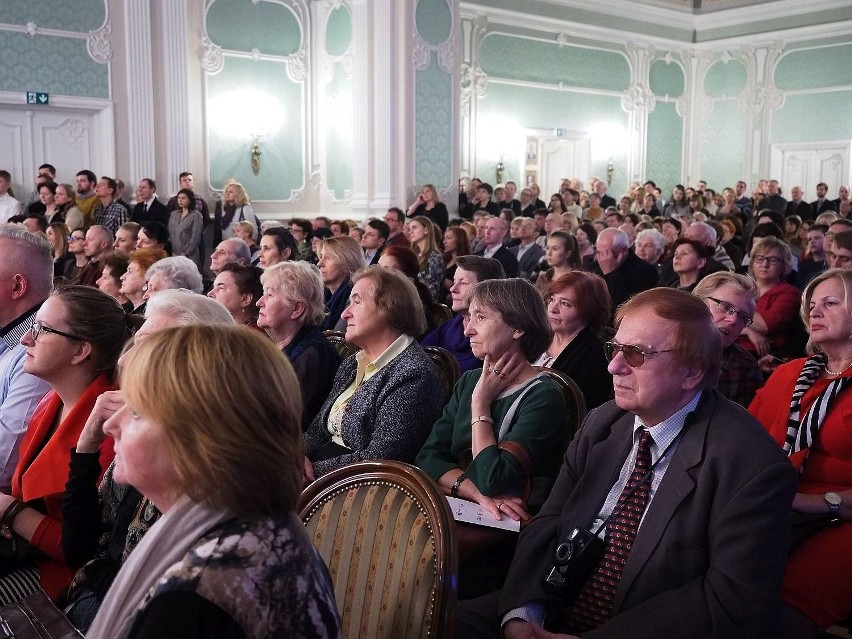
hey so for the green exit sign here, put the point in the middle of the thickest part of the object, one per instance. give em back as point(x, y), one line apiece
point(38, 97)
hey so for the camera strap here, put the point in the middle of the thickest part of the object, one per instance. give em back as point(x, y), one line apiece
point(639, 484)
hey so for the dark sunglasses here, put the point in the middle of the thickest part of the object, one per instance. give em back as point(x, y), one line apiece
point(633, 355)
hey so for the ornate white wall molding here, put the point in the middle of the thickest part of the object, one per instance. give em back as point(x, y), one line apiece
point(212, 59)
point(447, 50)
point(172, 30)
point(141, 157)
point(98, 44)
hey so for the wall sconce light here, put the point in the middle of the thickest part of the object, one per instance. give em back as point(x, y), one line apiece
point(610, 171)
point(247, 114)
point(500, 170)
point(255, 154)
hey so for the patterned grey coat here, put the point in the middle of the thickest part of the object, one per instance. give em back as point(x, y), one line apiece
point(389, 416)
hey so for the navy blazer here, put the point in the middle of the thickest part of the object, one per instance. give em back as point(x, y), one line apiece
point(711, 551)
point(529, 262)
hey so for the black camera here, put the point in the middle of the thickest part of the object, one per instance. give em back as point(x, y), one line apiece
point(575, 558)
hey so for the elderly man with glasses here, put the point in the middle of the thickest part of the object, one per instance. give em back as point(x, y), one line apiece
point(672, 508)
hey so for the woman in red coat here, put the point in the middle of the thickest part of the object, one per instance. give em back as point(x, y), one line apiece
point(807, 408)
point(74, 344)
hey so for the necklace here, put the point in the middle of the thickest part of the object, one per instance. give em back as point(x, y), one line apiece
point(833, 374)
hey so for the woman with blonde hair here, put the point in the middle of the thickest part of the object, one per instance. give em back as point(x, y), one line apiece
point(291, 312)
point(428, 204)
point(235, 206)
point(66, 196)
point(339, 258)
point(58, 234)
point(422, 235)
point(229, 556)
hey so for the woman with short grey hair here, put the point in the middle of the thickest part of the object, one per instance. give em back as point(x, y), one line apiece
point(171, 273)
point(291, 312)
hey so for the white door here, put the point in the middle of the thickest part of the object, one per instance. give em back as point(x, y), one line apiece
point(66, 138)
point(807, 164)
point(563, 158)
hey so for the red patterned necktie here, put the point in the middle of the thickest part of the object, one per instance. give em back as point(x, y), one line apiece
point(593, 605)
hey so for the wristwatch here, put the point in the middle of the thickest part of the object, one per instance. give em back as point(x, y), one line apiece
point(833, 500)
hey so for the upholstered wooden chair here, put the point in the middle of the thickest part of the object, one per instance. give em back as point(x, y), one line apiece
point(441, 313)
point(575, 402)
point(338, 340)
point(385, 531)
point(447, 365)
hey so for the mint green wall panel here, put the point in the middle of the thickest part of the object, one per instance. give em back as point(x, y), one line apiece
point(827, 67)
point(519, 108)
point(433, 114)
point(725, 78)
point(60, 66)
point(723, 135)
point(282, 159)
point(813, 117)
point(339, 145)
point(665, 147)
point(513, 58)
point(434, 20)
point(338, 31)
point(242, 26)
point(80, 16)
point(629, 23)
point(666, 79)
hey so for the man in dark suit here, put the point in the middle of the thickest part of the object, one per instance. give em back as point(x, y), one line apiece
point(528, 253)
point(527, 203)
point(606, 200)
point(376, 233)
point(797, 205)
point(492, 246)
point(625, 274)
point(821, 204)
point(696, 545)
point(510, 191)
point(148, 207)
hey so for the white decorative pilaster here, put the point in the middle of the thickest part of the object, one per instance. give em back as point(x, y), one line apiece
point(639, 101)
point(139, 84)
point(474, 85)
point(758, 101)
point(362, 53)
point(695, 64)
point(174, 26)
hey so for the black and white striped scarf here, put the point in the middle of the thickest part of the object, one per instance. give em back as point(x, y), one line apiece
point(801, 431)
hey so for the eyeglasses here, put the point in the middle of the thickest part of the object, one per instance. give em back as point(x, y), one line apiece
point(769, 259)
point(76, 238)
point(633, 355)
point(729, 310)
point(37, 327)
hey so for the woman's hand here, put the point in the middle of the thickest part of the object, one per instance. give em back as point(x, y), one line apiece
point(511, 507)
point(106, 406)
point(761, 343)
point(496, 377)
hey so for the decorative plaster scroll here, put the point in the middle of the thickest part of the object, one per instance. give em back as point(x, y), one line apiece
point(473, 81)
point(682, 106)
point(349, 64)
point(32, 29)
point(561, 38)
point(297, 68)
point(74, 131)
point(255, 54)
point(447, 53)
point(762, 97)
point(639, 99)
point(211, 56)
point(98, 45)
point(421, 53)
